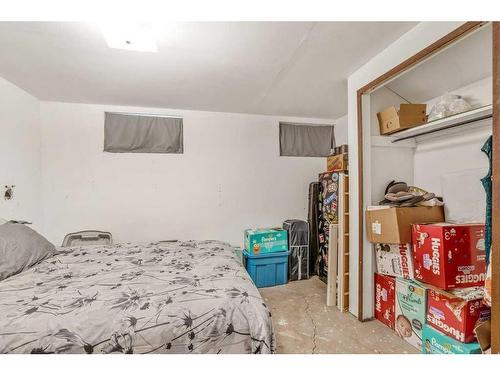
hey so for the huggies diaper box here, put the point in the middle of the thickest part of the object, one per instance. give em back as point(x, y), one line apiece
point(262, 241)
point(410, 310)
point(394, 260)
point(435, 342)
point(385, 290)
point(449, 256)
point(456, 313)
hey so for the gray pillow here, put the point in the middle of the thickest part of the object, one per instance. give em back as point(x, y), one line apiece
point(21, 248)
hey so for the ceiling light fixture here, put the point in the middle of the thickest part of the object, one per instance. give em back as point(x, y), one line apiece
point(132, 36)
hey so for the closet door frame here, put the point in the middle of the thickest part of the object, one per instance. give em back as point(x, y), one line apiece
point(455, 35)
point(495, 240)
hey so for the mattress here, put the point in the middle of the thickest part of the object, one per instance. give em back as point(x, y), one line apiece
point(164, 297)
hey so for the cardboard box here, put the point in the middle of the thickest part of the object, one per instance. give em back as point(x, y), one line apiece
point(263, 241)
point(411, 303)
point(449, 256)
point(483, 335)
point(390, 120)
point(456, 313)
point(487, 284)
point(435, 342)
point(394, 260)
point(387, 224)
point(385, 290)
point(337, 163)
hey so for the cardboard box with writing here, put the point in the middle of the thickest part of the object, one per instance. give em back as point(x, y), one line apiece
point(456, 313)
point(385, 293)
point(449, 256)
point(434, 342)
point(385, 224)
point(266, 240)
point(337, 163)
point(394, 260)
point(411, 303)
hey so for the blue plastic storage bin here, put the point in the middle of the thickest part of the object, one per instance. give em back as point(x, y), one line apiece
point(268, 269)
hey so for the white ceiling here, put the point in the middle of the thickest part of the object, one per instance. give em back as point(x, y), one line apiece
point(277, 68)
point(468, 60)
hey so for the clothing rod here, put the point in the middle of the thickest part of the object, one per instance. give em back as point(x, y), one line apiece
point(445, 127)
point(143, 114)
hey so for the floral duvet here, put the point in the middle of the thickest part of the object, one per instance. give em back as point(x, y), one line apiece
point(166, 297)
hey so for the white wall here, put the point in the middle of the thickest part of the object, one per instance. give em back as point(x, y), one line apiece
point(422, 35)
point(457, 160)
point(20, 154)
point(229, 178)
point(341, 130)
point(454, 151)
point(477, 94)
point(389, 161)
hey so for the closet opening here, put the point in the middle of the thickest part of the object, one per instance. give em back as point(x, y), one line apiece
point(426, 123)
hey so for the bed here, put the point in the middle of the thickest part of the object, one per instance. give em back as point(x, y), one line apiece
point(162, 297)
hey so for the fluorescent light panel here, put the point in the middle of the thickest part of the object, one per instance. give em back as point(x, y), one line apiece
point(132, 36)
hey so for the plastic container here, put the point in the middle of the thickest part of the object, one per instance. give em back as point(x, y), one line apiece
point(87, 237)
point(268, 269)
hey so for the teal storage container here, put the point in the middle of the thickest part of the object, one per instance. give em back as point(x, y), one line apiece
point(263, 241)
point(268, 269)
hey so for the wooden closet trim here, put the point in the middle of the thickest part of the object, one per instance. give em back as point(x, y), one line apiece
point(427, 52)
point(495, 239)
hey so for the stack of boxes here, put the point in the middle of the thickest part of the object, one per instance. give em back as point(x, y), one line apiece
point(266, 256)
point(451, 258)
point(430, 289)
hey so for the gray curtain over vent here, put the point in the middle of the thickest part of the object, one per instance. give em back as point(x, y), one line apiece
point(142, 134)
point(306, 140)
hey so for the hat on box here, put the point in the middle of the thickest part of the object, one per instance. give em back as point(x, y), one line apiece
point(401, 195)
point(394, 187)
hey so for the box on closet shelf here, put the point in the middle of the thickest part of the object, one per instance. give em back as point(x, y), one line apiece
point(386, 224)
point(449, 256)
point(390, 120)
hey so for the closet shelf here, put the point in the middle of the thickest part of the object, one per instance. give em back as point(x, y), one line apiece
point(460, 119)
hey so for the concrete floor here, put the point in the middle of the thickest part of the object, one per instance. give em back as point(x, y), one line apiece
point(304, 324)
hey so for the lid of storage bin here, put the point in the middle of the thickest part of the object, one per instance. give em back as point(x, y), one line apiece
point(266, 255)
